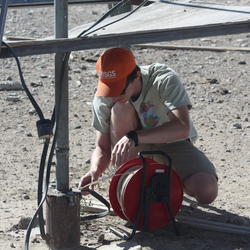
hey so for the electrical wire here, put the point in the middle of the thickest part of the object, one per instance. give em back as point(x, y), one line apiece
point(30, 226)
point(125, 16)
point(31, 98)
point(119, 4)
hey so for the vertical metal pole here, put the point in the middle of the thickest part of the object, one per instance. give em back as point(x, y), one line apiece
point(62, 205)
point(61, 95)
point(2, 19)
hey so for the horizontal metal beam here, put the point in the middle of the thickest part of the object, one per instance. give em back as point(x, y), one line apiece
point(27, 48)
point(33, 3)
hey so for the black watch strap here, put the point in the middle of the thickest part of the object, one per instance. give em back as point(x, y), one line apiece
point(133, 136)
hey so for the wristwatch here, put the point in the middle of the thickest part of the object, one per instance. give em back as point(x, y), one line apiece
point(133, 136)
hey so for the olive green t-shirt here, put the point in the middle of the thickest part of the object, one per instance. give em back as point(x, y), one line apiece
point(162, 91)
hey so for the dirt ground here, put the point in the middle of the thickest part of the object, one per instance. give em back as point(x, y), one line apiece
point(218, 85)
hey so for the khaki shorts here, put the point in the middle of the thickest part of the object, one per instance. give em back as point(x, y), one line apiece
point(186, 158)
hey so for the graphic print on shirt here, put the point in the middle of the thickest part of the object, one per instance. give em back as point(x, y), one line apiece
point(149, 118)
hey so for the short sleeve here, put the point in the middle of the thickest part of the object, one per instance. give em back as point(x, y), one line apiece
point(101, 113)
point(173, 93)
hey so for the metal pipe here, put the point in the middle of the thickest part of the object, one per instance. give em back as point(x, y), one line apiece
point(61, 96)
point(38, 3)
point(214, 225)
point(3, 14)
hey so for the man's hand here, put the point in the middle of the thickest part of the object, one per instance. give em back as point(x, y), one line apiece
point(86, 181)
point(122, 151)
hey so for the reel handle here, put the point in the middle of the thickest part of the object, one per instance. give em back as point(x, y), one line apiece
point(155, 152)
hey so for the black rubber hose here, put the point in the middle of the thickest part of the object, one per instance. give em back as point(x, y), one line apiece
point(31, 98)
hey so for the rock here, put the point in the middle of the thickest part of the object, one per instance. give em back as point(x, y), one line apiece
point(10, 85)
point(87, 161)
point(224, 91)
point(12, 245)
point(43, 76)
point(242, 62)
point(237, 125)
point(245, 45)
point(220, 101)
point(213, 81)
point(77, 71)
point(101, 239)
point(35, 240)
point(25, 149)
point(34, 84)
point(32, 111)
point(78, 83)
point(13, 98)
point(91, 60)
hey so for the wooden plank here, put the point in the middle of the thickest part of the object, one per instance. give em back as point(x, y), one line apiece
point(27, 48)
point(186, 47)
point(34, 3)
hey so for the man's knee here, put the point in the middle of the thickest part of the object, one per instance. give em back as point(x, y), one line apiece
point(202, 186)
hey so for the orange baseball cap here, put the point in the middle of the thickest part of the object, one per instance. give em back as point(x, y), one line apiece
point(113, 67)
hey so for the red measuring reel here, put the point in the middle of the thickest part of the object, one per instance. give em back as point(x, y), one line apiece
point(146, 193)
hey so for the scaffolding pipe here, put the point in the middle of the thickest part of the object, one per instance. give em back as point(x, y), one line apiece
point(61, 95)
point(3, 14)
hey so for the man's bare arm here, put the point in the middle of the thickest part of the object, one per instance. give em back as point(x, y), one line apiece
point(100, 159)
point(176, 129)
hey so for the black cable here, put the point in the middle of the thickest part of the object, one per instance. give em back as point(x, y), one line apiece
point(119, 4)
point(40, 187)
point(41, 181)
point(30, 226)
point(125, 16)
point(32, 99)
